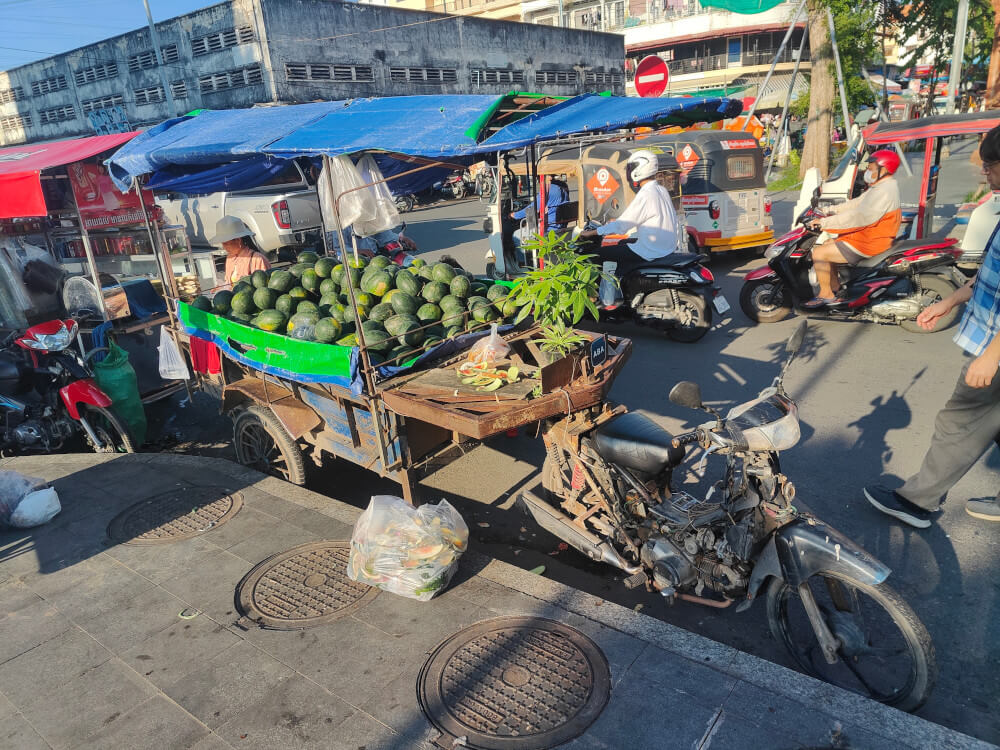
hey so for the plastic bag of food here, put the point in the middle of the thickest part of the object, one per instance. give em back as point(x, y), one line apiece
point(488, 350)
point(408, 551)
point(25, 501)
point(172, 364)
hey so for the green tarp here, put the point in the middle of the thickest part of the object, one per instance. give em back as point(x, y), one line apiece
point(742, 6)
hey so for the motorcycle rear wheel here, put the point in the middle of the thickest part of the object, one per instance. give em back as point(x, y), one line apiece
point(842, 603)
point(935, 288)
point(765, 301)
point(698, 319)
point(111, 431)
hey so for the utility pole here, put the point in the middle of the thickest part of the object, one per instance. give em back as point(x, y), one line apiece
point(154, 37)
point(961, 22)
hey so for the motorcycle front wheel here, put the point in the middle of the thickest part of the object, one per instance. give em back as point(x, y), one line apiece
point(112, 433)
point(765, 300)
point(884, 653)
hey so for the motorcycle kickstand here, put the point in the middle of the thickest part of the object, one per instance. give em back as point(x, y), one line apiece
point(828, 643)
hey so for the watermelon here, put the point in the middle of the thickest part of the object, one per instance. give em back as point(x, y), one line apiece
point(406, 329)
point(442, 272)
point(243, 286)
point(298, 269)
point(381, 312)
point(404, 303)
point(285, 304)
point(242, 303)
point(451, 302)
point(392, 269)
point(508, 306)
point(377, 283)
point(453, 331)
point(328, 286)
point(350, 339)
point(270, 320)
point(201, 302)
point(497, 291)
point(428, 313)
point(426, 273)
point(401, 355)
point(265, 298)
point(248, 280)
point(259, 279)
point(474, 302)
point(434, 291)
point(431, 341)
point(327, 330)
point(478, 288)
point(485, 313)
point(365, 299)
point(460, 286)
point(310, 281)
point(303, 323)
point(379, 261)
point(308, 256)
point(329, 300)
point(418, 263)
point(297, 292)
point(358, 262)
point(281, 281)
point(377, 339)
point(222, 302)
point(337, 274)
point(434, 332)
point(453, 318)
point(324, 267)
point(241, 318)
point(407, 282)
point(305, 306)
point(353, 273)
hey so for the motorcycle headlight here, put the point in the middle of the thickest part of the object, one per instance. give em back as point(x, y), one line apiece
point(774, 251)
point(55, 341)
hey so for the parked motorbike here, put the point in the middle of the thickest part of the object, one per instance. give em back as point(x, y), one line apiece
point(459, 184)
point(607, 491)
point(892, 287)
point(48, 396)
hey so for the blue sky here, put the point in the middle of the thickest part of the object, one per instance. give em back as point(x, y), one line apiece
point(33, 29)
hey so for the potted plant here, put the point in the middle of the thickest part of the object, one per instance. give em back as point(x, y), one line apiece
point(558, 295)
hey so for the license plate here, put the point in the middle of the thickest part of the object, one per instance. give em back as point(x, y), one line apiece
point(721, 304)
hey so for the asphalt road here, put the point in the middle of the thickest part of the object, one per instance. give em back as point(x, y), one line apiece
point(867, 398)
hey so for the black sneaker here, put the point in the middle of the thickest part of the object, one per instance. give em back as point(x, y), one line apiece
point(893, 504)
point(986, 508)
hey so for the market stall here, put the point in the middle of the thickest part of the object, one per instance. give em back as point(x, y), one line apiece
point(69, 239)
point(397, 409)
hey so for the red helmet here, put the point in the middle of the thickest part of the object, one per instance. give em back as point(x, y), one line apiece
point(888, 160)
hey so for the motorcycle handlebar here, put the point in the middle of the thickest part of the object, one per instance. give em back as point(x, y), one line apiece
point(687, 438)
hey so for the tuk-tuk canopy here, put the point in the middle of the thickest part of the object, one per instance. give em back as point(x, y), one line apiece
point(882, 133)
point(457, 128)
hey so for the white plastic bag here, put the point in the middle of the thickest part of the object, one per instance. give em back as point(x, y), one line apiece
point(340, 180)
point(15, 487)
point(488, 350)
point(172, 365)
point(386, 215)
point(408, 551)
point(36, 508)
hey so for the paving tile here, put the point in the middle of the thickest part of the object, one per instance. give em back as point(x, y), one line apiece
point(318, 523)
point(90, 587)
point(154, 723)
point(14, 595)
point(53, 663)
point(227, 684)
point(361, 730)
point(158, 562)
point(396, 706)
point(211, 586)
point(211, 742)
point(264, 502)
point(239, 528)
point(296, 714)
point(169, 655)
point(16, 732)
point(280, 537)
point(136, 619)
point(87, 704)
point(28, 627)
point(6, 707)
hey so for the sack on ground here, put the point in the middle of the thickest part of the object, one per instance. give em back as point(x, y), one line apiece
point(26, 501)
point(408, 551)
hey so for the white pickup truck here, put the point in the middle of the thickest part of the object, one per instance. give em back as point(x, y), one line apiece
point(284, 211)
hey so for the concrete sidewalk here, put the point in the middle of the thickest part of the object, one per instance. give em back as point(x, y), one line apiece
point(108, 645)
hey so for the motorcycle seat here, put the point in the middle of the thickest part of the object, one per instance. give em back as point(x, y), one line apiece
point(674, 261)
point(636, 442)
point(902, 247)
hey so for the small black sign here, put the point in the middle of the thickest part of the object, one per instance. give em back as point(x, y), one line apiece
point(598, 351)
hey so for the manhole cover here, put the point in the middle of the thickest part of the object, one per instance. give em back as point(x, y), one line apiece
point(301, 587)
point(172, 516)
point(514, 683)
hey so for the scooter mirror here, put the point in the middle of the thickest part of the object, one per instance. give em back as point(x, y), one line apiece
point(794, 342)
point(686, 393)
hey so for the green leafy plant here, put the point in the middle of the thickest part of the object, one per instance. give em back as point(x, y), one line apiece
point(560, 340)
point(564, 288)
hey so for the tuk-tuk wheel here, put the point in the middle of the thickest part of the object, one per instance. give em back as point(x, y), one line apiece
point(262, 443)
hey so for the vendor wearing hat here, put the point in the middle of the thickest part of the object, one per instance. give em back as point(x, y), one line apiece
point(242, 256)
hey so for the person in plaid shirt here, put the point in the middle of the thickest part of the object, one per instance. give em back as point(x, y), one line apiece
point(970, 422)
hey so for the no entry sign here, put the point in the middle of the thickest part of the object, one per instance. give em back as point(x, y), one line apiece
point(651, 76)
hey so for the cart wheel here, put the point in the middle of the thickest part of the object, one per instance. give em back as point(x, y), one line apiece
point(263, 444)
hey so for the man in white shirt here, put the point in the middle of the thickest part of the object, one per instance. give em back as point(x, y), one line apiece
point(649, 220)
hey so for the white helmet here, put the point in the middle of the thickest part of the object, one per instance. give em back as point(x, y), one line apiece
point(641, 165)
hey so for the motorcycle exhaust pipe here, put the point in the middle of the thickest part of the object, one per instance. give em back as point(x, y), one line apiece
point(559, 524)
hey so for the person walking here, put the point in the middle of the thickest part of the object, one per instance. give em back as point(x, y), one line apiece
point(969, 423)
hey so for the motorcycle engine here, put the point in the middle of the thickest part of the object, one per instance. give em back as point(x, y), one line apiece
point(671, 567)
point(898, 309)
point(43, 433)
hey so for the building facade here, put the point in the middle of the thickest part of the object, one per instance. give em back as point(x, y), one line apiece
point(245, 52)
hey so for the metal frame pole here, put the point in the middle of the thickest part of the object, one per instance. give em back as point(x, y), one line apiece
point(774, 63)
point(155, 39)
point(840, 72)
point(91, 262)
point(788, 101)
point(957, 55)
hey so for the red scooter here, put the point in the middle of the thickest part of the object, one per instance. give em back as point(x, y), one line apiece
point(48, 395)
point(892, 287)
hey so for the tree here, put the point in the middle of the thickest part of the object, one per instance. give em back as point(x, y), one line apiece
point(993, 77)
point(816, 150)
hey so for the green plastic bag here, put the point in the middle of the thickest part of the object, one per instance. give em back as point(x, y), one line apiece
point(116, 377)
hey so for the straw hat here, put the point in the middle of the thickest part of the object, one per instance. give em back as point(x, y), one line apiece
point(229, 228)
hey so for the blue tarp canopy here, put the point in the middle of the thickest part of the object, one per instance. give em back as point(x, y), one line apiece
point(452, 128)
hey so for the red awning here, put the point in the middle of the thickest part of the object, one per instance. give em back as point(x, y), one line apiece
point(940, 126)
point(21, 168)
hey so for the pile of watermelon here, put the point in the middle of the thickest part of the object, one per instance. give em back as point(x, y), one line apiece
point(403, 311)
